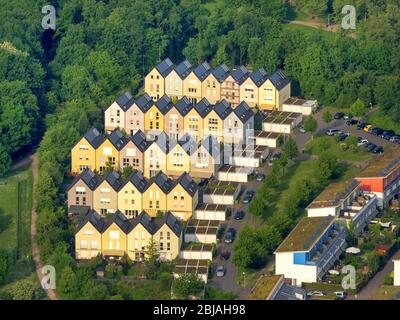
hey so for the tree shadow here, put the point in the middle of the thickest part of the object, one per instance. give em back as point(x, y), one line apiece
point(5, 220)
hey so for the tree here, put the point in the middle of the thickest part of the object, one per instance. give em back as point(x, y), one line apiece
point(327, 116)
point(126, 172)
point(4, 265)
point(290, 149)
point(67, 283)
point(310, 124)
point(23, 290)
point(327, 167)
point(358, 108)
point(351, 142)
point(187, 285)
point(5, 160)
point(152, 252)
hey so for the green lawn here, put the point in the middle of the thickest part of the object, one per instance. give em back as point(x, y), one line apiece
point(308, 30)
point(15, 217)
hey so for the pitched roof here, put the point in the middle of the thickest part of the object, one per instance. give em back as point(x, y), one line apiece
point(240, 74)
point(186, 181)
point(279, 79)
point(120, 220)
point(171, 221)
point(223, 109)
point(124, 101)
point(113, 178)
point(139, 139)
point(259, 77)
point(164, 104)
point(212, 145)
point(88, 177)
point(144, 102)
point(117, 139)
point(165, 67)
point(146, 221)
point(203, 107)
point(138, 180)
point(243, 112)
point(184, 106)
point(94, 219)
point(202, 71)
point(183, 69)
point(94, 137)
point(162, 141)
point(188, 143)
point(162, 181)
point(221, 72)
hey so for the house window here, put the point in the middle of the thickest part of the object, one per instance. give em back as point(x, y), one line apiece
point(161, 236)
point(168, 246)
point(84, 201)
point(168, 235)
point(77, 200)
point(161, 246)
point(126, 162)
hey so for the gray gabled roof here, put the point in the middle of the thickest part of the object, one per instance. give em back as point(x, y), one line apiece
point(202, 71)
point(223, 109)
point(164, 104)
point(171, 221)
point(279, 79)
point(144, 102)
point(165, 67)
point(203, 107)
point(113, 178)
point(184, 106)
point(146, 221)
point(117, 139)
point(240, 74)
point(94, 219)
point(186, 181)
point(162, 181)
point(243, 112)
point(221, 72)
point(94, 137)
point(162, 140)
point(88, 177)
point(259, 77)
point(138, 180)
point(188, 143)
point(120, 220)
point(139, 140)
point(183, 69)
point(124, 101)
point(212, 145)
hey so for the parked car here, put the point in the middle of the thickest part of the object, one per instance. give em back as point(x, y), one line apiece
point(225, 255)
point(302, 130)
point(340, 294)
point(239, 215)
point(367, 127)
point(338, 115)
point(230, 235)
point(276, 156)
point(371, 147)
point(351, 122)
point(270, 162)
point(316, 293)
point(377, 149)
point(361, 125)
point(332, 132)
point(376, 131)
point(248, 197)
point(362, 142)
point(220, 271)
point(342, 136)
point(348, 116)
point(395, 139)
point(387, 134)
point(260, 177)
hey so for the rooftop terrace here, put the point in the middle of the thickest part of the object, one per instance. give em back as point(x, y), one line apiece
point(264, 286)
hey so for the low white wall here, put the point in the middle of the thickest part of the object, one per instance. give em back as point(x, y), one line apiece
point(204, 238)
point(209, 215)
point(195, 255)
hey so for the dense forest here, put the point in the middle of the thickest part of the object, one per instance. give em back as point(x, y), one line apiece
point(55, 85)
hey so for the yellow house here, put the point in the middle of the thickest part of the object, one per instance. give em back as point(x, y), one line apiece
point(174, 80)
point(274, 91)
point(83, 154)
point(105, 196)
point(155, 156)
point(114, 236)
point(211, 85)
point(193, 124)
point(154, 82)
point(183, 197)
point(130, 196)
point(88, 236)
point(153, 120)
point(155, 196)
point(178, 158)
point(192, 84)
point(106, 155)
point(249, 89)
point(213, 122)
point(165, 232)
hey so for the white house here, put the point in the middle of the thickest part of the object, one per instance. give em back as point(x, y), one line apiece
point(305, 107)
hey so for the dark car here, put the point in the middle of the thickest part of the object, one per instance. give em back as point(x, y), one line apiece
point(348, 116)
point(248, 196)
point(225, 255)
point(378, 149)
point(239, 215)
point(395, 139)
point(338, 115)
point(387, 134)
point(376, 131)
point(342, 136)
point(230, 235)
point(351, 122)
point(361, 125)
point(260, 177)
point(371, 147)
point(277, 156)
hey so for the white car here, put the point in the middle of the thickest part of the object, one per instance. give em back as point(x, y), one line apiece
point(340, 294)
point(220, 271)
point(316, 293)
point(362, 142)
point(302, 130)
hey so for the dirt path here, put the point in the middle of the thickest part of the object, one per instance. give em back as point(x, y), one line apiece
point(34, 163)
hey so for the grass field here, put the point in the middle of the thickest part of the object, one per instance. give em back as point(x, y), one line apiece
point(308, 30)
point(15, 217)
